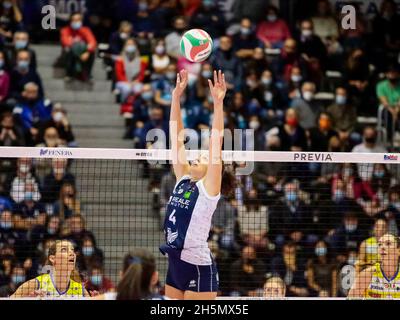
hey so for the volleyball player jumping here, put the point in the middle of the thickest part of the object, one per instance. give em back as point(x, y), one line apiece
point(381, 281)
point(192, 272)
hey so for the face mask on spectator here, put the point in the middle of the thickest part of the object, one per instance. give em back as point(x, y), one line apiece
point(306, 33)
point(160, 50)
point(268, 96)
point(147, 95)
point(396, 205)
point(23, 65)
point(370, 140)
point(208, 3)
point(59, 170)
point(341, 100)
point(21, 44)
point(123, 35)
point(266, 81)
point(291, 196)
point(51, 231)
point(76, 25)
point(308, 95)
point(292, 122)
point(28, 196)
point(7, 4)
point(130, 49)
point(251, 83)
point(254, 124)
point(272, 17)
point(1, 64)
point(5, 225)
point(347, 172)
point(351, 260)
point(338, 195)
point(170, 75)
point(17, 279)
point(296, 78)
point(245, 31)
point(206, 74)
point(96, 280)
point(379, 174)
point(24, 168)
point(58, 116)
point(87, 251)
point(321, 251)
point(324, 124)
point(350, 227)
point(142, 6)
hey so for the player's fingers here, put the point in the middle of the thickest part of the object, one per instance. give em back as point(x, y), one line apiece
point(220, 76)
point(210, 84)
point(215, 77)
point(178, 79)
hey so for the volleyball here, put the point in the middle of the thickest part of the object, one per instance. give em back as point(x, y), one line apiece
point(196, 45)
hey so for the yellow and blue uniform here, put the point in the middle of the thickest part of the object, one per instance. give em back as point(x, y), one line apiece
point(45, 283)
point(383, 287)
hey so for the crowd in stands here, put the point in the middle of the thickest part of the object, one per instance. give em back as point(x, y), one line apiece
point(300, 222)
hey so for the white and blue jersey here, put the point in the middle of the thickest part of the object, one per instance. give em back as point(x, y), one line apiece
point(188, 221)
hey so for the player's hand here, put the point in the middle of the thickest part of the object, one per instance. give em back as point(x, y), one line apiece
point(181, 83)
point(94, 293)
point(218, 89)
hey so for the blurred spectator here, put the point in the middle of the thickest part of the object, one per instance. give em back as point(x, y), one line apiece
point(98, 281)
point(10, 20)
point(129, 70)
point(288, 215)
point(31, 111)
point(9, 235)
point(49, 231)
point(307, 108)
point(368, 252)
point(79, 47)
point(369, 143)
point(209, 18)
point(312, 49)
point(164, 87)
point(159, 60)
point(29, 212)
point(77, 232)
point(326, 27)
point(294, 83)
point(100, 17)
point(385, 39)
point(21, 42)
point(145, 21)
point(291, 135)
point(172, 40)
point(274, 31)
point(343, 114)
point(274, 288)
point(224, 58)
point(247, 273)
point(392, 211)
point(23, 74)
point(10, 134)
point(254, 10)
point(245, 41)
point(320, 136)
point(118, 38)
point(18, 182)
point(289, 267)
point(253, 221)
point(52, 182)
point(321, 272)
point(388, 92)
point(346, 237)
point(4, 82)
point(91, 254)
point(257, 61)
point(68, 202)
point(17, 277)
point(61, 123)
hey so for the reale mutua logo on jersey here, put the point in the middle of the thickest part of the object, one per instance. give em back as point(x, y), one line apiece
point(55, 152)
point(390, 157)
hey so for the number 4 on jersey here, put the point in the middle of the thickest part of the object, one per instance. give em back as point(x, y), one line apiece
point(172, 217)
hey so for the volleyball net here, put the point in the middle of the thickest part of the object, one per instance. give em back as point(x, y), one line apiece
point(311, 219)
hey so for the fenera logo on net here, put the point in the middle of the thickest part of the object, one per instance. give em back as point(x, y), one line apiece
point(55, 152)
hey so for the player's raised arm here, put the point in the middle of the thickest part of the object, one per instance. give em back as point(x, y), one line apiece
point(180, 164)
point(361, 283)
point(213, 177)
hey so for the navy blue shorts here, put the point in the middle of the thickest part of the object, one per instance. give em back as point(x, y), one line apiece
point(189, 277)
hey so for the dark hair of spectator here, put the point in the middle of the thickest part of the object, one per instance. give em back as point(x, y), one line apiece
point(138, 270)
point(228, 183)
point(273, 8)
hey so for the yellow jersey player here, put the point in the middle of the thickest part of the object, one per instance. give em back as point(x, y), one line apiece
point(382, 280)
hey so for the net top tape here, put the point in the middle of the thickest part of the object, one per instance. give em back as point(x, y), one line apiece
point(165, 154)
